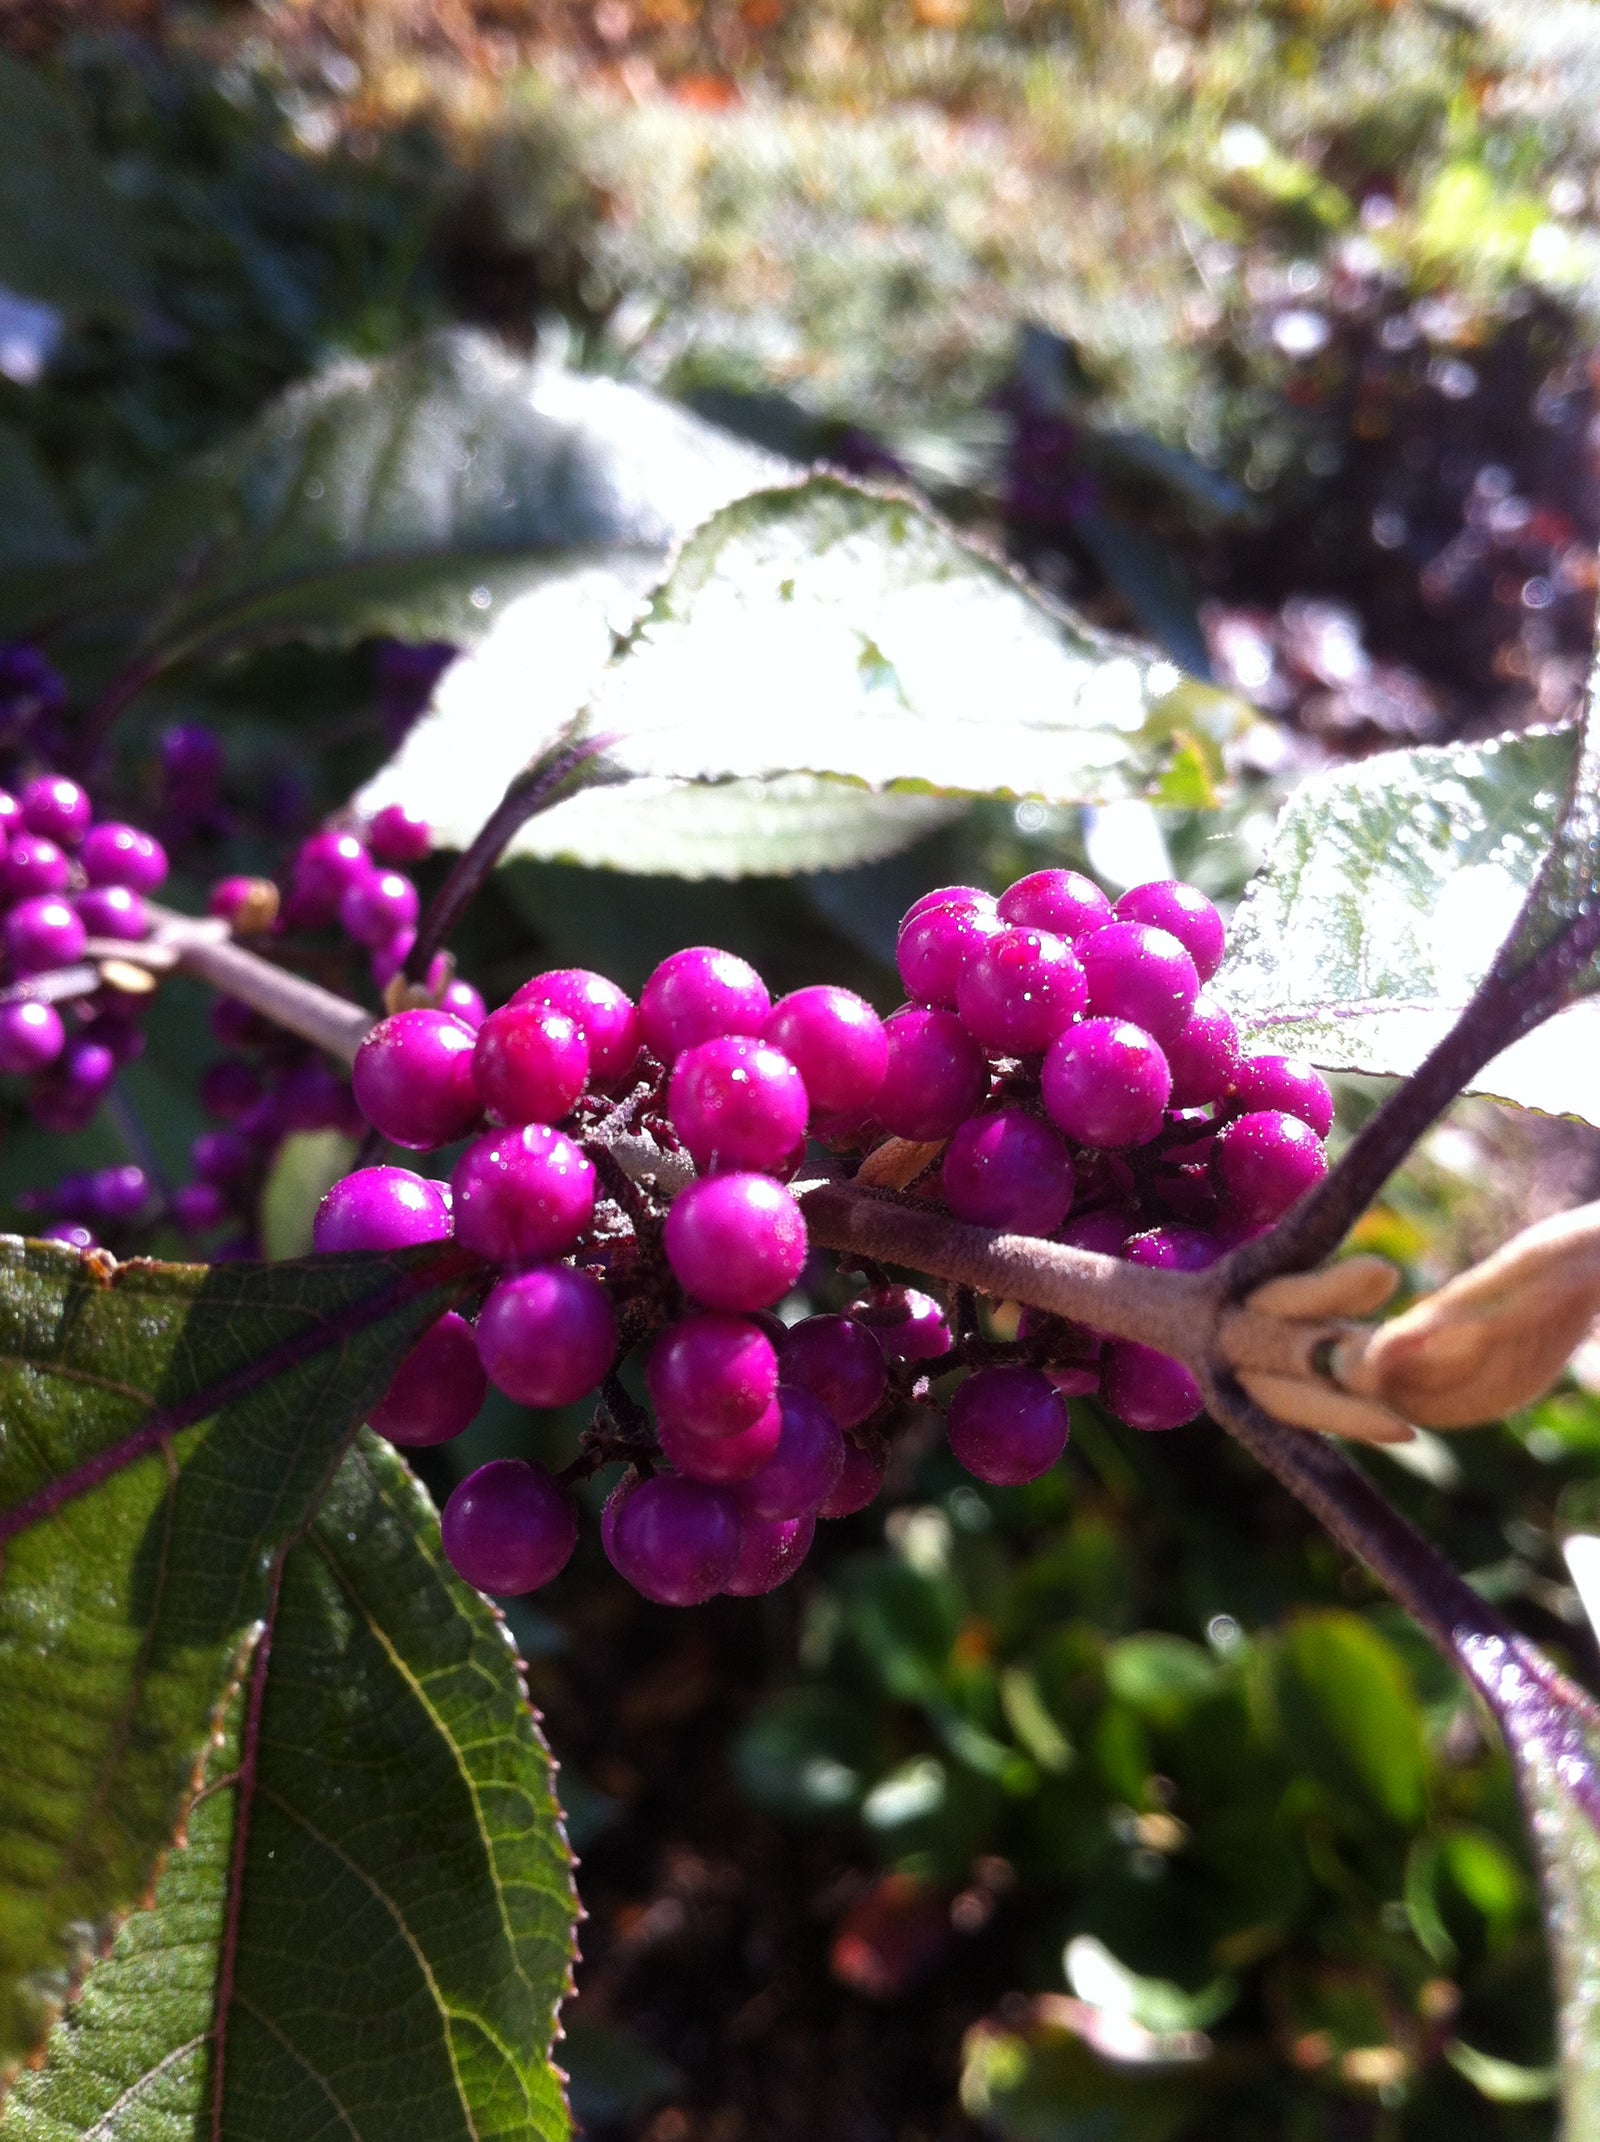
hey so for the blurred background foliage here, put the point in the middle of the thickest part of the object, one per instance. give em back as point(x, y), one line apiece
point(1118, 1808)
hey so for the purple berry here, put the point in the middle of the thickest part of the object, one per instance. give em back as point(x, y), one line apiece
point(804, 1469)
point(1148, 1390)
point(10, 817)
point(230, 1088)
point(736, 1242)
point(314, 1097)
point(1265, 1163)
point(1286, 1083)
point(839, 1362)
point(114, 854)
point(522, 1196)
point(1140, 974)
point(860, 1480)
point(198, 1207)
point(221, 1156)
point(376, 909)
point(397, 836)
point(65, 1097)
point(56, 809)
point(413, 1078)
point(1173, 1249)
point(1105, 1232)
point(113, 911)
point(33, 866)
point(381, 1209)
point(836, 1042)
point(390, 957)
point(907, 1324)
point(936, 1076)
point(1019, 989)
point(770, 1551)
point(1061, 901)
point(696, 995)
point(325, 869)
point(971, 896)
point(721, 1459)
point(675, 1540)
point(1183, 912)
point(713, 1375)
point(603, 1014)
point(1007, 1425)
point(463, 1002)
point(70, 1235)
point(530, 1064)
point(1203, 1055)
point(31, 1036)
point(191, 769)
point(437, 1388)
point(509, 1527)
point(547, 1337)
point(936, 944)
point(1106, 1083)
point(118, 1194)
point(1008, 1170)
point(43, 932)
point(737, 1102)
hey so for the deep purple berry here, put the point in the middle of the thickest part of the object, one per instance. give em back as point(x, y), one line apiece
point(860, 1479)
point(1019, 989)
point(198, 1207)
point(674, 1540)
point(713, 1375)
point(737, 1102)
point(1140, 974)
point(413, 1078)
point(376, 909)
point(721, 1459)
point(381, 1209)
point(56, 809)
point(70, 1234)
point(736, 1242)
point(547, 1337)
point(1173, 1249)
point(1203, 1055)
point(509, 1527)
point(697, 994)
point(1007, 1425)
point(118, 1194)
point(113, 911)
point(530, 1063)
point(1106, 1083)
point(31, 1036)
point(770, 1551)
point(937, 1074)
point(936, 943)
point(1105, 1232)
point(43, 932)
point(1008, 1170)
point(1183, 912)
point(65, 1097)
point(33, 866)
point(1148, 1390)
point(1265, 1162)
point(114, 854)
point(908, 1324)
point(603, 1013)
point(325, 869)
point(804, 1469)
point(1061, 901)
point(522, 1196)
point(221, 1156)
point(229, 1088)
point(835, 1040)
point(437, 1388)
point(464, 1002)
point(397, 836)
point(839, 1362)
point(191, 769)
point(1287, 1083)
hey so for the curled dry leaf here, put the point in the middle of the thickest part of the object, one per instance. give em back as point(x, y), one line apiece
point(1277, 1342)
point(897, 1162)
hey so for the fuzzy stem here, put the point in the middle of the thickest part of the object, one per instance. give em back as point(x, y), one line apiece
point(288, 1000)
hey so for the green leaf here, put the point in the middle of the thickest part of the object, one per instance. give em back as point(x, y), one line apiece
point(1039, 2082)
point(1161, 1677)
point(34, 530)
point(1388, 891)
point(168, 1430)
point(305, 1167)
point(1351, 1712)
point(64, 235)
point(370, 1926)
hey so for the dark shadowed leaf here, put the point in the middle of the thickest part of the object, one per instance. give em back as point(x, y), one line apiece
point(165, 1436)
point(64, 235)
point(1351, 1713)
point(371, 1925)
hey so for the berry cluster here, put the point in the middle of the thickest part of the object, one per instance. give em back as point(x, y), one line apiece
point(1059, 1062)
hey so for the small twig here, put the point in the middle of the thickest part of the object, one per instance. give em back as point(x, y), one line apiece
point(288, 1000)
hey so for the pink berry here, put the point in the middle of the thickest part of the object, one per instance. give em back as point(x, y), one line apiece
point(375, 909)
point(1008, 1170)
point(908, 1324)
point(327, 865)
point(1184, 913)
point(1019, 989)
point(389, 958)
point(1288, 1083)
point(937, 942)
point(1106, 1083)
point(936, 1076)
point(804, 1468)
point(1140, 974)
point(722, 1459)
point(697, 994)
point(31, 1036)
point(737, 1102)
point(33, 866)
point(1148, 1390)
point(57, 809)
point(43, 932)
point(675, 1540)
point(380, 1209)
point(112, 911)
point(860, 1480)
point(464, 1003)
point(604, 1015)
point(522, 1196)
point(1061, 901)
point(530, 1064)
point(1173, 1249)
point(970, 896)
point(509, 1527)
point(413, 1078)
point(547, 1337)
point(437, 1388)
point(838, 1361)
point(397, 836)
point(114, 854)
point(736, 1242)
point(713, 1375)
point(1007, 1425)
point(1203, 1055)
point(1265, 1163)
point(1105, 1232)
point(835, 1040)
point(770, 1551)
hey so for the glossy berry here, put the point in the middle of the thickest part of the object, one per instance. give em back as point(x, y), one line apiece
point(33, 866)
point(413, 1078)
point(437, 1388)
point(1061, 901)
point(381, 1209)
point(31, 1036)
point(1019, 989)
point(860, 1479)
point(697, 994)
point(836, 1042)
point(937, 1074)
point(113, 911)
point(118, 1194)
point(713, 1375)
point(936, 942)
point(198, 1207)
point(327, 865)
point(838, 1361)
point(43, 932)
point(547, 1337)
point(509, 1527)
point(464, 1003)
point(221, 1156)
point(1148, 1390)
point(722, 1459)
point(908, 1324)
point(1140, 974)
point(1184, 913)
point(1007, 1425)
point(1287, 1083)
point(803, 1470)
point(675, 1540)
point(1203, 1056)
point(1008, 1170)
point(736, 1242)
point(737, 1102)
point(1173, 1249)
point(375, 909)
point(770, 1551)
point(602, 1012)
point(1104, 1231)
point(1265, 1162)
point(114, 854)
point(390, 957)
point(971, 896)
point(1105, 1083)
point(521, 1196)
point(57, 809)
point(397, 836)
point(530, 1064)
